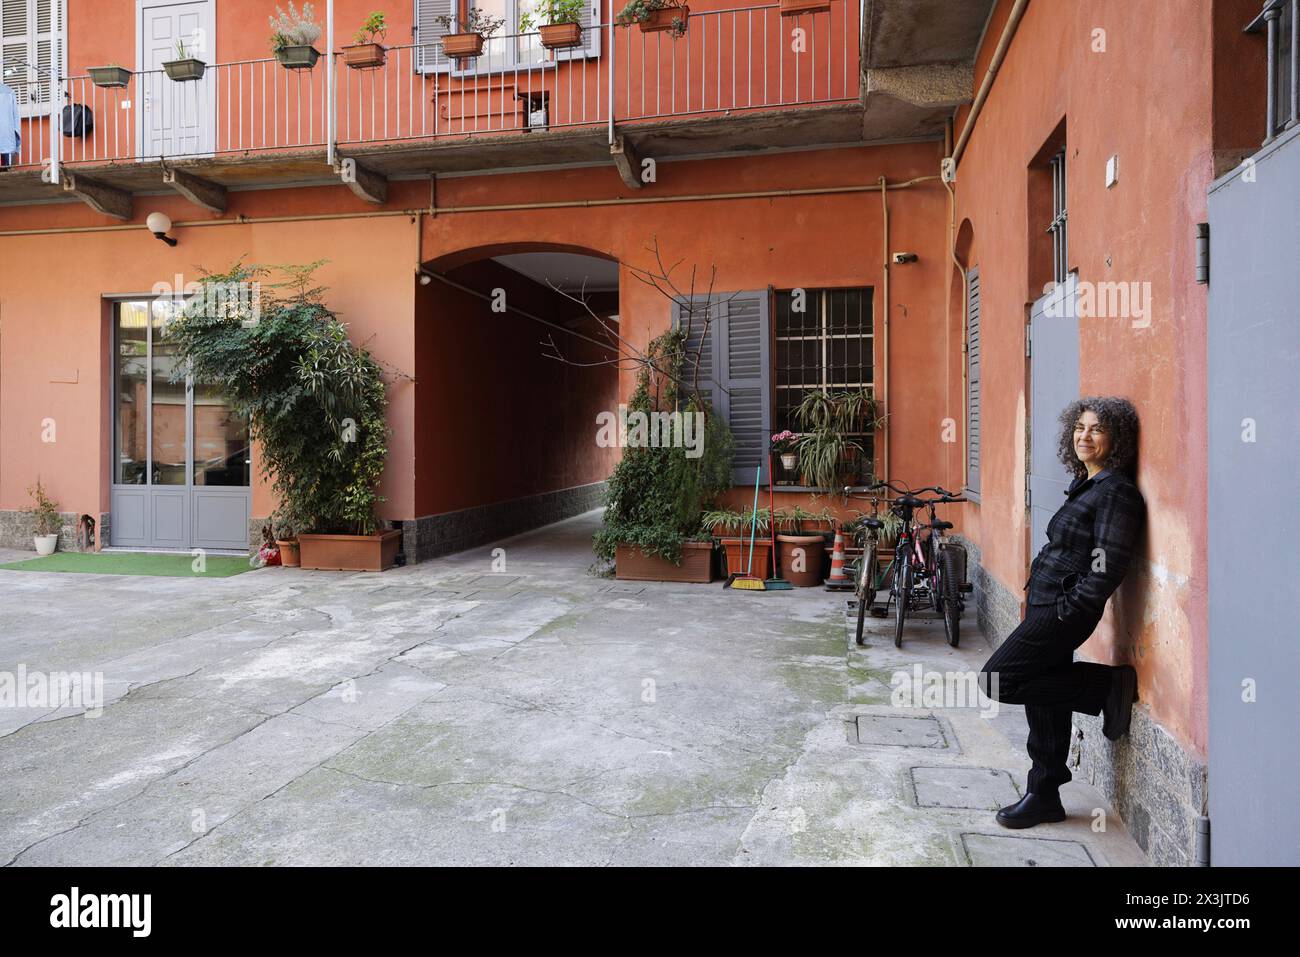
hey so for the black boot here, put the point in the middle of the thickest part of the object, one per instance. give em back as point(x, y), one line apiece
point(1032, 809)
point(1119, 703)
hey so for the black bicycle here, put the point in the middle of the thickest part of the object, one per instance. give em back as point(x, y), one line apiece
point(927, 570)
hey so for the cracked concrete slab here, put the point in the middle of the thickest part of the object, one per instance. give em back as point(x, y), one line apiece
point(457, 713)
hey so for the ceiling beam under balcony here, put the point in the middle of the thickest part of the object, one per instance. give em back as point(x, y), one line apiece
point(365, 182)
point(626, 161)
point(100, 197)
point(199, 191)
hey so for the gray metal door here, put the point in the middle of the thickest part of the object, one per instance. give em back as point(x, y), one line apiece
point(1254, 518)
point(181, 463)
point(1053, 346)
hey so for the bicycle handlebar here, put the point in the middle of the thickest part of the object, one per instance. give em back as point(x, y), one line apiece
point(947, 497)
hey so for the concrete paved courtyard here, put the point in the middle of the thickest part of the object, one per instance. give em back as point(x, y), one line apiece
point(447, 713)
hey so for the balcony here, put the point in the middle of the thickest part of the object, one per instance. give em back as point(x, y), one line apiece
point(738, 79)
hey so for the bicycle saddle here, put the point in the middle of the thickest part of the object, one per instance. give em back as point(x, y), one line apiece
point(941, 525)
point(873, 523)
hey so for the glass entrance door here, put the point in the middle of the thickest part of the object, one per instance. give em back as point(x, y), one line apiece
point(181, 457)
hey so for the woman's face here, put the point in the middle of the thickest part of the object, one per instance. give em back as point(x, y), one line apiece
point(1091, 440)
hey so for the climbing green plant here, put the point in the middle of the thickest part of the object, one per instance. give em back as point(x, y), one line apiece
point(315, 402)
point(657, 495)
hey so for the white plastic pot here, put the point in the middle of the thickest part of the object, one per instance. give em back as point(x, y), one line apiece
point(788, 459)
point(45, 544)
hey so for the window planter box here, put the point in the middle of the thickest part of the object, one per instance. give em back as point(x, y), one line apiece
point(463, 46)
point(183, 71)
point(560, 36)
point(365, 56)
point(663, 18)
point(108, 77)
point(297, 57)
point(807, 550)
point(631, 564)
point(349, 553)
point(792, 8)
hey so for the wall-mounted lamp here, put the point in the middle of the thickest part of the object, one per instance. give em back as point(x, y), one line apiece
point(902, 258)
point(159, 224)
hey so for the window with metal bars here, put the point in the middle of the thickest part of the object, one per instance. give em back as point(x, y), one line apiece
point(1057, 228)
point(823, 342)
point(1279, 21)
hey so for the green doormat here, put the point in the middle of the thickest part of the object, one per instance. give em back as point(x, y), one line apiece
point(133, 563)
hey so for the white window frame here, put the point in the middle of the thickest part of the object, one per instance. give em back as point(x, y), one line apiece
point(32, 38)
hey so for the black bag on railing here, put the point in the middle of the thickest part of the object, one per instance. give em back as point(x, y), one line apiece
point(78, 120)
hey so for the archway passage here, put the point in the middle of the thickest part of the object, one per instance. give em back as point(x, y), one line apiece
point(515, 354)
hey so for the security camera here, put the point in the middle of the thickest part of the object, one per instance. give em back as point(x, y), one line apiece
point(902, 258)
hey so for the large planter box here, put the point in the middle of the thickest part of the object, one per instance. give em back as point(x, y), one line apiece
point(349, 553)
point(632, 564)
point(560, 36)
point(738, 556)
point(109, 77)
point(792, 8)
point(463, 46)
point(662, 19)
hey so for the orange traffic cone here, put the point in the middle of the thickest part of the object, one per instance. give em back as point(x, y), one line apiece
point(838, 581)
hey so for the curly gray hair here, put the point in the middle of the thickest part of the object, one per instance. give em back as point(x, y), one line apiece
point(1120, 419)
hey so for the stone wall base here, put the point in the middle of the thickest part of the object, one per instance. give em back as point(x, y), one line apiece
point(17, 528)
point(433, 535)
point(1158, 788)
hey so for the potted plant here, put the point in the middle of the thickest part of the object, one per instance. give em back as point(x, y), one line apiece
point(292, 36)
point(45, 515)
point(828, 455)
point(316, 405)
point(651, 527)
point(800, 553)
point(792, 8)
point(185, 67)
point(367, 50)
point(108, 77)
point(734, 530)
point(285, 540)
point(654, 16)
point(559, 23)
point(470, 34)
point(786, 446)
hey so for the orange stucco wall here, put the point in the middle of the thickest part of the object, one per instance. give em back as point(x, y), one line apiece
point(1149, 103)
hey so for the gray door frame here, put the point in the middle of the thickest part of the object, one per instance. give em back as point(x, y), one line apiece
point(189, 501)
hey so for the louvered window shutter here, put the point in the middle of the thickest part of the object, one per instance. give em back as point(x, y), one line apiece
point(744, 360)
point(699, 352)
point(429, 56)
point(973, 380)
point(591, 31)
point(27, 38)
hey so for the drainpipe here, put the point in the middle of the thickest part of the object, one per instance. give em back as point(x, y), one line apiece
point(884, 330)
point(999, 54)
point(56, 89)
point(330, 132)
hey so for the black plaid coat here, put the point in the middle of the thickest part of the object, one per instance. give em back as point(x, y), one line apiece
point(1091, 542)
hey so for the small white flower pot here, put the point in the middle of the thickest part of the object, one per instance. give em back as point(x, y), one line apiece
point(45, 544)
point(788, 460)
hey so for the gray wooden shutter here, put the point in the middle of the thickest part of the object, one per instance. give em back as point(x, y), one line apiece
point(591, 32)
point(429, 57)
point(744, 361)
point(973, 380)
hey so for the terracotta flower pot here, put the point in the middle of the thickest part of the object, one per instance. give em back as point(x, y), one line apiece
point(662, 19)
point(738, 556)
point(463, 46)
point(349, 553)
point(632, 564)
point(801, 559)
point(792, 8)
point(364, 56)
point(288, 552)
point(560, 36)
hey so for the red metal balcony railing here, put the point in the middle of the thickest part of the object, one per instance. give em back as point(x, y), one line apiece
point(729, 62)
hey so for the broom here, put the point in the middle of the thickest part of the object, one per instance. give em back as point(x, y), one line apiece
point(776, 582)
point(749, 581)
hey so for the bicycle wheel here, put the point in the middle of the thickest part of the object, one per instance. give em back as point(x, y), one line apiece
point(948, 580)
point(866, 586)
point(936, 582)
point(903, 585)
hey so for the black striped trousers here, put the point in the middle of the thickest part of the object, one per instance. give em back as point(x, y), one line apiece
point(1035, 667)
